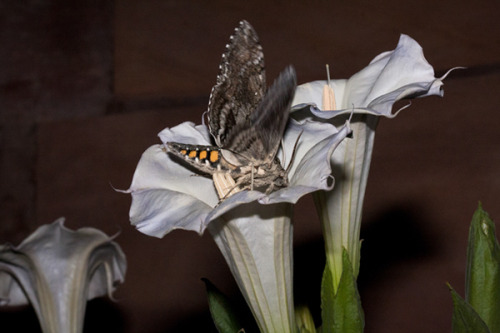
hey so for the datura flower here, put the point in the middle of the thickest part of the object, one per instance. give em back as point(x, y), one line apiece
point(57, 270)
point(252, 229)
point(167, 194)
point(391, 76)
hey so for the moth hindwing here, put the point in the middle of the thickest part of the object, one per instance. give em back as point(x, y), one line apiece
point(246, 121)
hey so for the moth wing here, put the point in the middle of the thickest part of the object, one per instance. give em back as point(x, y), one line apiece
point(259, 139)
point(241, 83)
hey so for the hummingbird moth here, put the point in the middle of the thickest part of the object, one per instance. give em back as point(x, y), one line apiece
point(246, 120)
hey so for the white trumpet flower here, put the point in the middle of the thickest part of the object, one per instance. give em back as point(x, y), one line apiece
point(252, 229)
point(391, 76)
point(57, 270)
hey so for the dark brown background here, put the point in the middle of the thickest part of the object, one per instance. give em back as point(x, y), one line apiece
point(85, 87)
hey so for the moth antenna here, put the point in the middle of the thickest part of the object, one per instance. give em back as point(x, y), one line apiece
point(294, 152)
point(203, 115)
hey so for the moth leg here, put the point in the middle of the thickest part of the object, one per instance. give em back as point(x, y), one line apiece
point(245, 182)
point(270, 189)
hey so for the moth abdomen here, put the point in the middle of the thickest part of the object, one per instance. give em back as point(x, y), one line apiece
point(204, 158)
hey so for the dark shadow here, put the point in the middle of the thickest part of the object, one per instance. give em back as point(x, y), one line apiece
point(400, 233)
point(102, 316)
point(202, 321)
point(198, 322)
point(308, 266)
point(19, 319)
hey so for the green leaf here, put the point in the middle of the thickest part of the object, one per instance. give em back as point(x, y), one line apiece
point(327, 301)
point(465, 318)
point(224, 318)
point(482, 289)
point(341, 312)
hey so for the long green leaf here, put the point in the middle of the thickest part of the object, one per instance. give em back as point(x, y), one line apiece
point(483, 270)
point(224, 318)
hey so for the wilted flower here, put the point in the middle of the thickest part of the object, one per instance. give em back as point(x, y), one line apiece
point(391, 76)
point(57, 270)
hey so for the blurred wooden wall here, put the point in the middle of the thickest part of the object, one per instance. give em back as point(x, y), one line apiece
point(86, 86)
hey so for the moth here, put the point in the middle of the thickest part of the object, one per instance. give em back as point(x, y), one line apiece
point(246, 121)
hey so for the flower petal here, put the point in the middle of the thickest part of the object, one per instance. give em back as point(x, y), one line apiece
point(166, 194)
point(390, 71)
point(311, 168)
point(186, 132)
point(314, 168)
point(156, 208)
point(391, 76)
point(233, 201)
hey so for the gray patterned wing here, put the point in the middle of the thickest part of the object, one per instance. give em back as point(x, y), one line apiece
point(240, 86)
point(258, 140)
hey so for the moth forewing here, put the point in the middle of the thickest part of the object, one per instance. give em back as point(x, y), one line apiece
point(258, 140)
point(271, 117)
point(246, 122)
point(240, 85)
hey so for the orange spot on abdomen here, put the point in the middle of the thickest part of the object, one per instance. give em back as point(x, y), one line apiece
point(214, 156)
